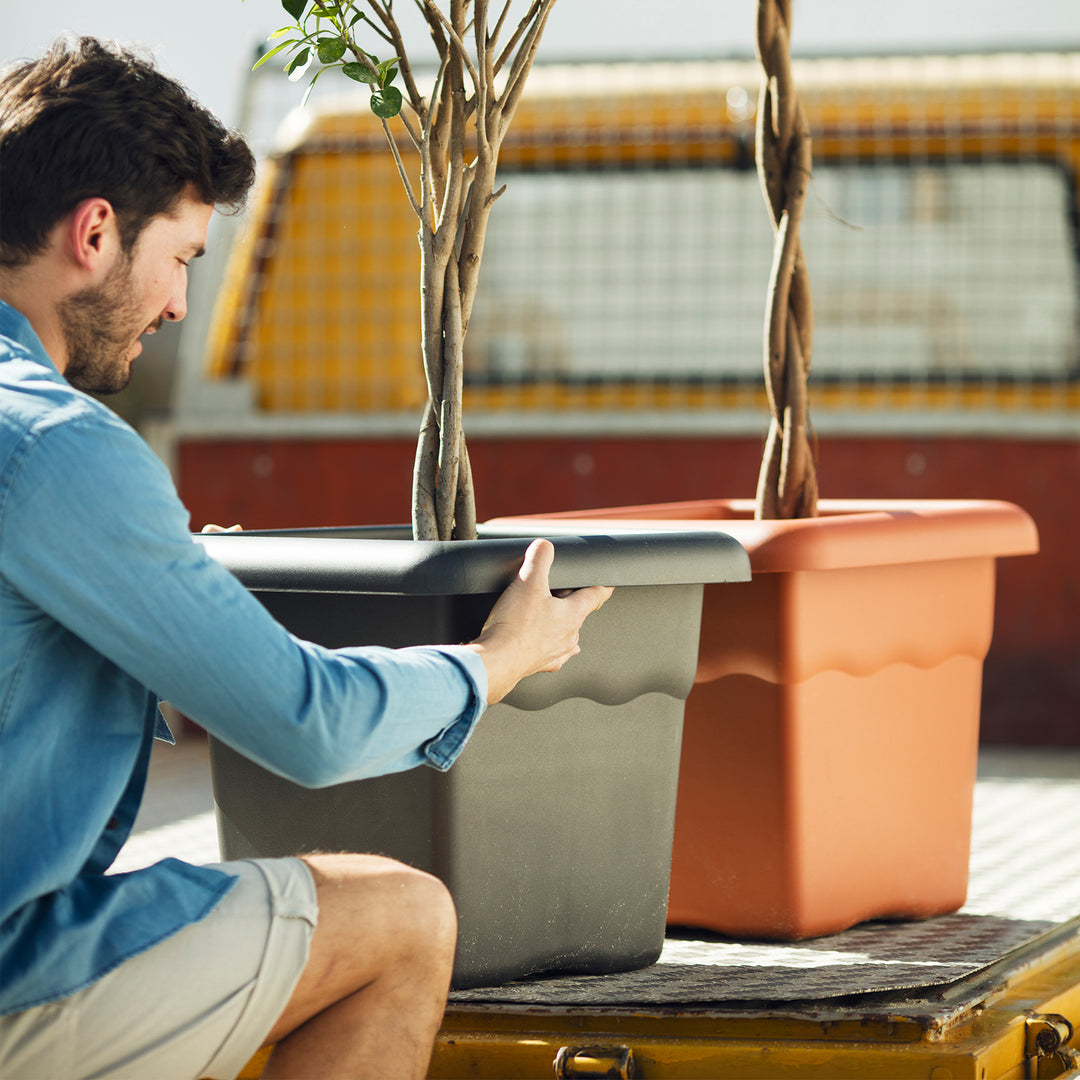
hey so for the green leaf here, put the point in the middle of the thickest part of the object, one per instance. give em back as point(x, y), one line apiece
point(280, 32)
point(386, 103)
point(311, 86)
point(387, 71)
point(295, 7)
point(357, 17)
point(331, 50)
point(358, 72)
point(295, 67)
point(328, 11)
point(273, 52)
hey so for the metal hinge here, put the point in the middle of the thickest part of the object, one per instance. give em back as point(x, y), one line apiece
point(580, 1062)
point(1046, 1051)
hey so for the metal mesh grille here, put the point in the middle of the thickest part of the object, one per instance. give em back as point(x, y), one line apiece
point(626, 264)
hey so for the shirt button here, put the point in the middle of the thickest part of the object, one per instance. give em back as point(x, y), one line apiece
point(114, 823)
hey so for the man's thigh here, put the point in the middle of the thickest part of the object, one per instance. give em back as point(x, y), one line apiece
point(198, 1004)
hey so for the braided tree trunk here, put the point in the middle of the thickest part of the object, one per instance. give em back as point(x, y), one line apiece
point(461, 134)
point(458, 133)
point(787, 484)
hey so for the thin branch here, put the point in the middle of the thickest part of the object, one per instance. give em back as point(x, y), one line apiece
point(511, 45)
point(362, 57)
point(427, 193)
point(414, 135)
point(402, 172)
point(386, 16)
point(434, 27)
point(440, 18)
point(486, 85)
point(522, 65)
point(440, 122)
point(493, 38)
point(397, 43)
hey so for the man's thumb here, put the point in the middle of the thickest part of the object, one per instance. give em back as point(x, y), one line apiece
point(536, 566)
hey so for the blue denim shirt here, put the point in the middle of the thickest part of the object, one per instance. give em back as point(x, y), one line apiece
point(106, 607)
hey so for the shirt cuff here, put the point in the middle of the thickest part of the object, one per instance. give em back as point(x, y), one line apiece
point(442, 751)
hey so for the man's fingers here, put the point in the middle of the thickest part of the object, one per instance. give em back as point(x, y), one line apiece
point(595, 595)
point(593, 598)
point(531, 630)
point(601, 595)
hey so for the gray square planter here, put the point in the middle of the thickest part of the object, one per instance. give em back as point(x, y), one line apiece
point(553, 830)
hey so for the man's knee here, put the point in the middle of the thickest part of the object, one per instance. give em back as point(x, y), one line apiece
point(423, 909)
point(383, 902)
point(381, 924)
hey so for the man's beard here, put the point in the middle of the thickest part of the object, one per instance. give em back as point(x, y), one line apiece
point(100, 324)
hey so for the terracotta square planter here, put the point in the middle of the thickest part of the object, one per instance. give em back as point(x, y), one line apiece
point(830, 740)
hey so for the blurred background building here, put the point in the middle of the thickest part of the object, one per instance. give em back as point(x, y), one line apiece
point(615, 350)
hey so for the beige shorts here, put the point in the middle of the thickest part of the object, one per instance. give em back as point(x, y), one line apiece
point(199, 1004)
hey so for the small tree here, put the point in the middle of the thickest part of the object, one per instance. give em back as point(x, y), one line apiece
point(787, 483)
point(458, 129)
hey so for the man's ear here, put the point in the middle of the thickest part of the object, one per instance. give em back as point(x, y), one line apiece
point(93, 234)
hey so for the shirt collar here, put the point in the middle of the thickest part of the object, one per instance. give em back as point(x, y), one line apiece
point(15, 326)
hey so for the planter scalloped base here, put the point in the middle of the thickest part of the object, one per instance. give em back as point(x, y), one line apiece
point(830, 740)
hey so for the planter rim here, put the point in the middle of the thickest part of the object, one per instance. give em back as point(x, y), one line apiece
point(320, 561)
point(847, 532)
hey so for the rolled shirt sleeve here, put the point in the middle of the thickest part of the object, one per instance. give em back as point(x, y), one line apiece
point(95, 535)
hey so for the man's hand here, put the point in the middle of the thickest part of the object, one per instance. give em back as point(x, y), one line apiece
point(529, 629)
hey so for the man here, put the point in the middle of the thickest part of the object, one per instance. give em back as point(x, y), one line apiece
point(109, 174)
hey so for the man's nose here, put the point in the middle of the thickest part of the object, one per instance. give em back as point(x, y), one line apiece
point(176, 308)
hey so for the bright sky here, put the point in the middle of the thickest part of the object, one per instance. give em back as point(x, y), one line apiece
point(207, 43)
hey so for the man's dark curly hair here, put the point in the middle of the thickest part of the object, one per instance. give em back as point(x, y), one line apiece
point(91, 119)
